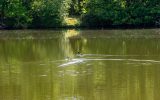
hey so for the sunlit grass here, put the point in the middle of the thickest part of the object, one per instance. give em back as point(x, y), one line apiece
point(71, 21)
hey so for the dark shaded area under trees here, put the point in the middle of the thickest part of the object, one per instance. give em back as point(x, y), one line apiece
point(93, 13)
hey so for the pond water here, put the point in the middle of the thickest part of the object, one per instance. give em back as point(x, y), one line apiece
point(80, 64)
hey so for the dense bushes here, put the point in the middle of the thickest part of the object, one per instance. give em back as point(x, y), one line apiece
point(33, 13)
point(122, 12)
point(94, 13)
point(13, 13)
point(50, 13)
point(77, 7)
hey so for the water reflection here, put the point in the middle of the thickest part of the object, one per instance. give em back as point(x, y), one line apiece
point(110, 65)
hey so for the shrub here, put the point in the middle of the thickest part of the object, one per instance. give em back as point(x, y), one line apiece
point(121, 12)
point(49, 13)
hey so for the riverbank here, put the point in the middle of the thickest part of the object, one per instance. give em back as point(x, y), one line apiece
point(76, 23)
point(82, 27)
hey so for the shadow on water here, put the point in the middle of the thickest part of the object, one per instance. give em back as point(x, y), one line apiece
point(80, 65)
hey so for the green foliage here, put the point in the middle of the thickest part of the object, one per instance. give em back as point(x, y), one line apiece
point(34, 13)
point(77, 7)
point(16, 14)
point(122, 12)
point(51, 13)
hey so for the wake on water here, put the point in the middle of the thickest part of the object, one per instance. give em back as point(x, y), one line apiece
point(101, 57)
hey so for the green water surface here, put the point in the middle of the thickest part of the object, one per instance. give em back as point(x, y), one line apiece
point(80, 64)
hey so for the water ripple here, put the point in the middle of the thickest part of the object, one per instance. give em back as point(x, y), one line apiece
point(81, 60)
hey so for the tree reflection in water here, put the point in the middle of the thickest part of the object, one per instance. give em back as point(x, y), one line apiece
point(29, 65)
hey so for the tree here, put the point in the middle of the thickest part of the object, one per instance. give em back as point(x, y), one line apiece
point(122, 12)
